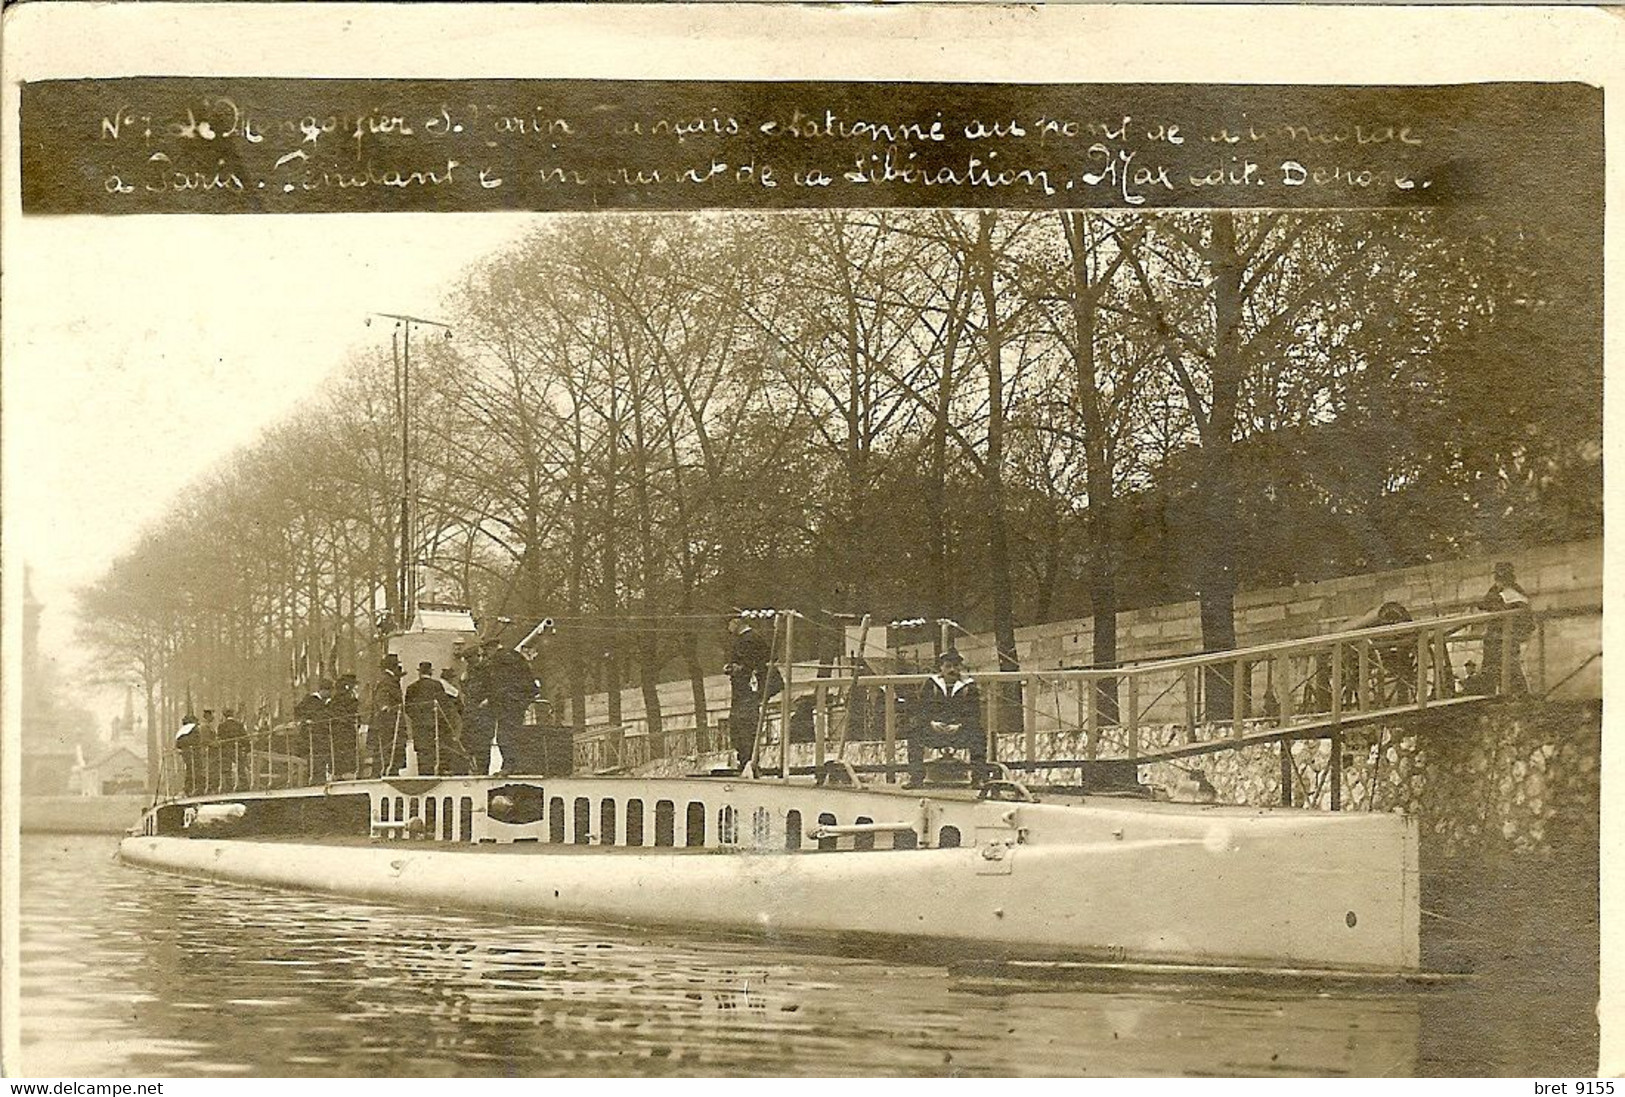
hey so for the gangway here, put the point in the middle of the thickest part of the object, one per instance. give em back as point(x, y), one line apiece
point(1044, 721)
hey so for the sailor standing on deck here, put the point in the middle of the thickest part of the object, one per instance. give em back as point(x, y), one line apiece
point(747, 677)
point(209, 751)
point(386, 738)
point(950, 699)
point(479, 719)
point(342, 710)
point(311, 712)
point(513, 687)
point(233, 739)
point(433, 733)
point(186, 748)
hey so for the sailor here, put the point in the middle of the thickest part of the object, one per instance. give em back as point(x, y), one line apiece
point(951, 699)
point(386, 734)
point(1476, 680)
point(513, 688)
point(342, 710)
point(1394, 660)
point(208, 750)
point(427, 711)
point(232, 736)
point(1503, 638)
point(311, 712)
point(747, 677)
point(448, 682)
point(479, 718)
point(186, 749)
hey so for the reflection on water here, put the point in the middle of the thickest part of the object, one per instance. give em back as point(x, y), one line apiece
point(126, 972)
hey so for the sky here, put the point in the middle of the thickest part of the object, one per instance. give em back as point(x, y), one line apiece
point(141, 351)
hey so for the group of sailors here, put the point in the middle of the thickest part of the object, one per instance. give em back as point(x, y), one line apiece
point(448, 722)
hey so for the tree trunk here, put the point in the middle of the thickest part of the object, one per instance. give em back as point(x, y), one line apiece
point(649, 679)
point(155, 743)
point(938, 486)
point(1004, 629)
point(1103, 546)
point(696, 684)
point(1217, 543)
point(649, 573)
point(575, 664)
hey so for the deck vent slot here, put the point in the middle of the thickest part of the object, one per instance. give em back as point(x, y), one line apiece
point(634, 822)
point(827, 819)
point(761, 828)
point(948, 838)
point(582, 821)
point(555, 820)
point(400, 809)
point(665, 823)
point(792, 830)
point(465, 819)
point(727, 825)
point(694, 824)
point(863, 841)
point(905, 839)
point(448, 819)
point(431, 821)
point(606, 822)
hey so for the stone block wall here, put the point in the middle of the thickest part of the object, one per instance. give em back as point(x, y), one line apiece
point(1558, 578)
point(1501, 778)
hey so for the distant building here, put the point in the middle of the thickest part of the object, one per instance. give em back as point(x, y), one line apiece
point(115, 771)
point(50, 742)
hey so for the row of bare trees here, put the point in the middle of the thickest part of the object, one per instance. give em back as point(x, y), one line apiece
point(998, 417)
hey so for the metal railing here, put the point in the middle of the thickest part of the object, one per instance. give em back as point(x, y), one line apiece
point(613, 748)
point(299, 754)
point(1059, 719)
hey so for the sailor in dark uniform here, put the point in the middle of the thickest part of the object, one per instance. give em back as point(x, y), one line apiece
point(747, 676)
point(513, 688)
point(434, 733)
point(311, 742)
point(386, 733)
point(208, 748)
point(232, 736)
point(342, 710)
point(951, 700)
point(479, 719)
point(186, 741)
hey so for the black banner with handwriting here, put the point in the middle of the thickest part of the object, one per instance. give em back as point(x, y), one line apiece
point(258, 145)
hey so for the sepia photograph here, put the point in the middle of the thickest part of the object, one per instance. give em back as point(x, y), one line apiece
point(984, 553)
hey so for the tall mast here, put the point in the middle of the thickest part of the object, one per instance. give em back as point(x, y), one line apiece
point(401, 346)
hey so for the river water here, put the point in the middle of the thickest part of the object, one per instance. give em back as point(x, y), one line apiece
point(130, 973)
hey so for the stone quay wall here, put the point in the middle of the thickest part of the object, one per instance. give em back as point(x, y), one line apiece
point(1484, 781)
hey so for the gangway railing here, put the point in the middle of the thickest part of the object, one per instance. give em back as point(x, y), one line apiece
point(1067, 719)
